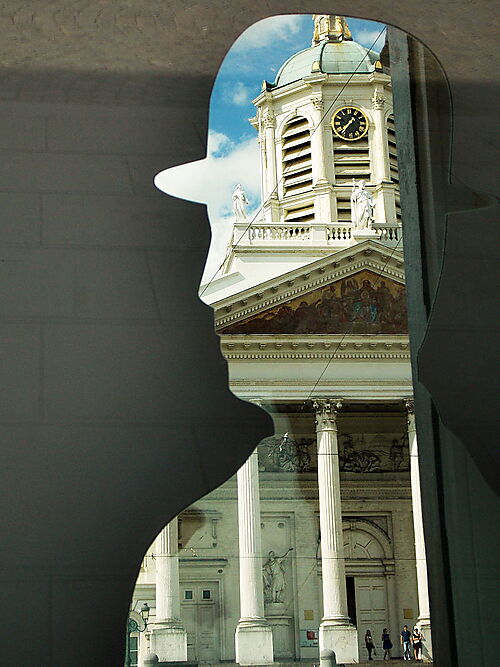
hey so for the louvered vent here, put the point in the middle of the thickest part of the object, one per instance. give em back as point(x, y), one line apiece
point(393, 151)
point(398, 210)
point(300, 215)
point(297, 167)
point(344, 208)
point(351, 160)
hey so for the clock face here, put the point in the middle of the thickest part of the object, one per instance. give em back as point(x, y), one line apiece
point(349, 123)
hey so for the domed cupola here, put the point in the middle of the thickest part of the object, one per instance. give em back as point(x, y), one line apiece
point(333, 51)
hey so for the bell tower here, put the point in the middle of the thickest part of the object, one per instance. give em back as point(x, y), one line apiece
point(328, 157)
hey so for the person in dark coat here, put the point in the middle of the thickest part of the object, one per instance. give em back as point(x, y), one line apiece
point(369, 644)
point(386, 644)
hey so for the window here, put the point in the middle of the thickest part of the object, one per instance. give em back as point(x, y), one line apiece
point(133, 650)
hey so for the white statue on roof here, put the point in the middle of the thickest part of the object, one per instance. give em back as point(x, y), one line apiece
point(240, 202)
point(361, 205)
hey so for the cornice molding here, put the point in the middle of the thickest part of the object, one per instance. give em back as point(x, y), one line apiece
point(290, 347)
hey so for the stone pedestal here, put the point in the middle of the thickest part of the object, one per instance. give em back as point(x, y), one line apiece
point(336, 631)
point(169, 641)
point(364, 234)
point(342, 639)
point(168, 635)
point(254, 639)
point(281, 624)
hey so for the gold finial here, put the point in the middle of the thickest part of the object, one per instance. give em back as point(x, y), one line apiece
point(330, 28)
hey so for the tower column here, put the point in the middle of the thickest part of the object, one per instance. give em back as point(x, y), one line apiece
point(381, 171)
point(384, 210)
point(269, 123)
point(168, 635)
point(424, 619)
point(318, 142)
point(254, 640)
point(336, 632)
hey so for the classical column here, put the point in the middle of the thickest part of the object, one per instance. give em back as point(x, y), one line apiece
point(381, 171)
point(392, 605)
point(424, 618)
point(168, 635)
point(254, 640)
point(336, 632)
point(318, 142)
point(269, 123)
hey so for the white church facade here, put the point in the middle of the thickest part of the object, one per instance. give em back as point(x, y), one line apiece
point(318, 537)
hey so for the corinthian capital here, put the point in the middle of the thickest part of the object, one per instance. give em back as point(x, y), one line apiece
point(269, 120)
point(410, 406)
point(378, 100)
point(317, 103)
point(326, 411)
point(410, 413)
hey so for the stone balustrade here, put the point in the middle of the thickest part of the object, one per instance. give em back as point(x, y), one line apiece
point(311, 234)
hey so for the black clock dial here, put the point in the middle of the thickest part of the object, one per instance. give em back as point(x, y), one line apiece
point(349, 123)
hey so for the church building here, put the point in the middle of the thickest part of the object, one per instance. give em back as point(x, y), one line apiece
point(318, 537)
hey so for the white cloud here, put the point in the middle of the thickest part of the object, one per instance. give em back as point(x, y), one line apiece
point(217, 141)
point(268, 31)
point(239, 94)
point(212, 182)
point(367, 38)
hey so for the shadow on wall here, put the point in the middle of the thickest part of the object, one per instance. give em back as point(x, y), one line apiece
point(115, 408)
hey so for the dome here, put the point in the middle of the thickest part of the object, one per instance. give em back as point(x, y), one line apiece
point(345, 57)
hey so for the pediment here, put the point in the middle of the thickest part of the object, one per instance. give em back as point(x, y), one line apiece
point(360, 295)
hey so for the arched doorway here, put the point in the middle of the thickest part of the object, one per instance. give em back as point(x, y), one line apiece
point(370, 580)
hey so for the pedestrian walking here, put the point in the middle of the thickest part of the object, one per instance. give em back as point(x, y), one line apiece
point(370, 646)
point(386, 644)
point(417, 643)
point(405, 639)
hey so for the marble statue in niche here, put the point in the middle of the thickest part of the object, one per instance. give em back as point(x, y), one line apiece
point(273, 573)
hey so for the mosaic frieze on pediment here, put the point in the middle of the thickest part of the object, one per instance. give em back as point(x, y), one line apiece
point(363, 303)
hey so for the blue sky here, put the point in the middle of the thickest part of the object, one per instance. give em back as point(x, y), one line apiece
point(257, 55)
point(233, 155)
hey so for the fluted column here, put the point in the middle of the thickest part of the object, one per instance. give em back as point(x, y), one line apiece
point(318, 142)
point(269, 123)
point(424, 619)
point(168, 635)
point(254, 641)
point(336, 631)
point(381, 171)
point(385, 210)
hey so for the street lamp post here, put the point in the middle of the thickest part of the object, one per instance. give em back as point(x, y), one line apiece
point(134, 626)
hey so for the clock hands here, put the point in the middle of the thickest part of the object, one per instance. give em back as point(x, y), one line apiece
point(348, 123)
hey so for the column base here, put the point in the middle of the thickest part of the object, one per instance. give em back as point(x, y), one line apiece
point(425, 628)
point(169, 641)
point(254, 643)
point(342, 639)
